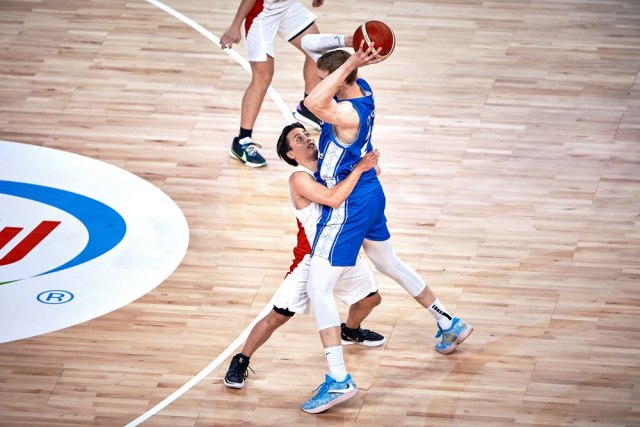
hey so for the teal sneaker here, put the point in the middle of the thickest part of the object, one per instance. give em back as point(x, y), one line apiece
point(330, 393)
point(452, 337)
point(245, 150)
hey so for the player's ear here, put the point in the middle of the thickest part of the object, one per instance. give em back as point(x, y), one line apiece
point(291, 155)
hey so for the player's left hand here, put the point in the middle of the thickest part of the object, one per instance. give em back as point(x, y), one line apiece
point(369, 160)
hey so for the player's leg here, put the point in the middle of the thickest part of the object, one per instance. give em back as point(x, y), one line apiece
point(310, 70)
point(351, 331)
point(361, 309)
point(338, 385)
point(261, 27)
point(260, 333)
point(358, 288)
point(452, 330)
point(243, 147)
point(298, 22)
point(290, 298)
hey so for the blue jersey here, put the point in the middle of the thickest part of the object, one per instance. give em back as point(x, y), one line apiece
point(335, 160)
point(341, 231)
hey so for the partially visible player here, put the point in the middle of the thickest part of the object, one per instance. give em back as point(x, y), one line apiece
point(356, 288)
point(263, 19)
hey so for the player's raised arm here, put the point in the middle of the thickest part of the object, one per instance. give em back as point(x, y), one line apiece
point(320, 101)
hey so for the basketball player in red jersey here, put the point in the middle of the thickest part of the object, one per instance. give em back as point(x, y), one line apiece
point(262, 20)
point(356, 288)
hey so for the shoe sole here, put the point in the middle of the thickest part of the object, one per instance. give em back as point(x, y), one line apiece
point(233, 385)
point(463, 336)
point(333, 403)
point(251, 165)
point(299, 117)
point(364, 343)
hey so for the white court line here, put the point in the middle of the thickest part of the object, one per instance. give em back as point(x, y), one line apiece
point(243, 336)
point(275, 97)
point(206, 371)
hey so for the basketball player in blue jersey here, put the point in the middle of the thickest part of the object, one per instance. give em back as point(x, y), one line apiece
point(345, 104)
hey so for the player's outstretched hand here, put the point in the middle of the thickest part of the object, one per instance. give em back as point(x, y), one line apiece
point(229, 37)
point(369, 56)
point(369, 161)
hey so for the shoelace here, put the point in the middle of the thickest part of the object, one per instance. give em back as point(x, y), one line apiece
point(440, 331)
point(366, 333)
point(251, 147)
point(238, 369)
point(321, 388)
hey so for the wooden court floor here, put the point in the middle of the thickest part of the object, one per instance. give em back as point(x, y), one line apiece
point(510, 141)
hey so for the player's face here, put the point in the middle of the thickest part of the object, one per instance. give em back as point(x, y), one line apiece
point(302, 144)
point(323, 74)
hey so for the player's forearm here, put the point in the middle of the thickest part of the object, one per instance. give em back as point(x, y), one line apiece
point(320, 101)
point(243, 10)
point(343, 189)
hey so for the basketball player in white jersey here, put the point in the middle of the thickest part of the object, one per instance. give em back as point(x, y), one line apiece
point(263, 19)
point(356, 288)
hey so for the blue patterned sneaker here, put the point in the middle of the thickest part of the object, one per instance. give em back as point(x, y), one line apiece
point(452, 337)
point(245, 151)
point(306, 117)
point(330, 393)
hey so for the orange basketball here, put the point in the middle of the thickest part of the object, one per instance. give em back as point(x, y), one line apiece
point(377, 32)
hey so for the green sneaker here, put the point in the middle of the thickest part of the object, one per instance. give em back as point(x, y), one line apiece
point(245, 150)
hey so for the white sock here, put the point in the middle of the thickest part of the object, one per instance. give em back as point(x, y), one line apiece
point(335, 360)
point(441, 315)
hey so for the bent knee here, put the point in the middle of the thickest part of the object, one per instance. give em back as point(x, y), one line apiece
point(374, 299)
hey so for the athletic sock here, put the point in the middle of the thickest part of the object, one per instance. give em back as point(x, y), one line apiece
point(335, 360)
point(244, 133)
point(441, 315)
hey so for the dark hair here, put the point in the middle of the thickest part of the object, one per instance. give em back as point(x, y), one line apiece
point(283, 146)
point(332, 60)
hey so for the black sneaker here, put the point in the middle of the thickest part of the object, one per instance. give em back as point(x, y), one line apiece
point(245, 151)
point(237, 371)
point(306, 117)
point(361, 336)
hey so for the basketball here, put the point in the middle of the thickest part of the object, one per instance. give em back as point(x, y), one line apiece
point(377, 32)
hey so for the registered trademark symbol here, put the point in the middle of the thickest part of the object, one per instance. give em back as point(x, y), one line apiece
point(55, 297)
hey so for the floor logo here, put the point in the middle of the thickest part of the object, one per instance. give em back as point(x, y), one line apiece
point(73, 229)
point(105, 226)
point(55, 297)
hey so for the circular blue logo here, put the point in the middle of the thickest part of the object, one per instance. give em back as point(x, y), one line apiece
point(55, 297)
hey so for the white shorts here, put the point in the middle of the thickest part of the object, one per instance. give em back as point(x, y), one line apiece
point(286, 18)
point(356, 283)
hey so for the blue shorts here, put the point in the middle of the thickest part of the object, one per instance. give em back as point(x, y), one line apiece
point(342, 231)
